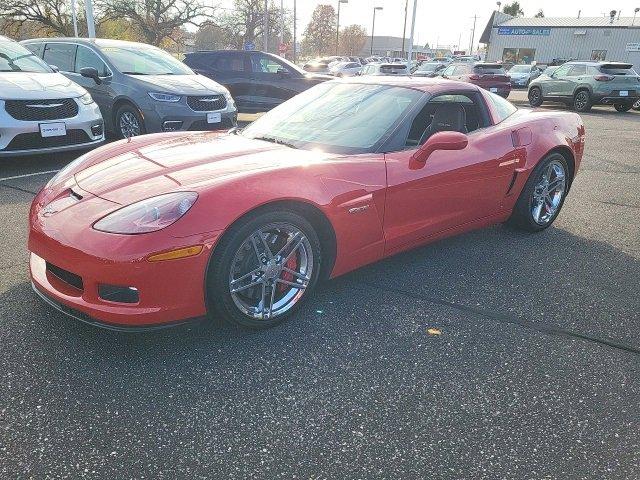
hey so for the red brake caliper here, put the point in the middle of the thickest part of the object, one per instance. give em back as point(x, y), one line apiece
point(292, 264)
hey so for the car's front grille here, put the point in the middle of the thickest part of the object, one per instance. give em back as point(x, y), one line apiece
point(207, 103)
point(35, 110)
point(66, 276)
point(35, 141)
point(201, 125)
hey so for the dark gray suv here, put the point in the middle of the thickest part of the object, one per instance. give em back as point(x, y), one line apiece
point(139, 88)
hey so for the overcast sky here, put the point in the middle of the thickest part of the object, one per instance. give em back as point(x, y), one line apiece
point(446, 21)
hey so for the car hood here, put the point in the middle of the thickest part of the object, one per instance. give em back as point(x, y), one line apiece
point(184, 162)
point(180, 84)
point(37, 86)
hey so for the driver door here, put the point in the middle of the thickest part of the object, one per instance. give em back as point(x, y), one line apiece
point(272, 82)
point(453, 188)
point(557, 83)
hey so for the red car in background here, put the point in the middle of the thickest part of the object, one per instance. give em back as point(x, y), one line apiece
point(241, 225)
point(490, 76)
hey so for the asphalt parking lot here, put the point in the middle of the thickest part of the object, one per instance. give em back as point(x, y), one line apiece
point(534, 374)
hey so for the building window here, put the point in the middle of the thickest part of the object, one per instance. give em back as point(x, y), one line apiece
point(598, 55)
point(518, 55)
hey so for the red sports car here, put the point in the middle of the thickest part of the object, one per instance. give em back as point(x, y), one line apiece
point(162, 228)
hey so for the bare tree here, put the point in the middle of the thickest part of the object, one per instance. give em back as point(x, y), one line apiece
point(157, 20)
point(54, 16)
point(319, 36)
point(245, 23)
point(352, 40)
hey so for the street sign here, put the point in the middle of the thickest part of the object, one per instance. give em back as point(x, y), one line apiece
point(249, 46)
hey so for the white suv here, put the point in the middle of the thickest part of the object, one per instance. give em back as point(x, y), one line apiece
point(40, 109)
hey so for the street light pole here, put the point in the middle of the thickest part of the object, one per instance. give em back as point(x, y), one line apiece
point(74, 16)
point(413, 26)
point(91, 26)
point(404, 29)
point(473, 34)
point(373, 26)
point(266, 25)
point(338, 24)
point(281, 22)
point(295, 20)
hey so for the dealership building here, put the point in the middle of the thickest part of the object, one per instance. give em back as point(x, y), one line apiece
point(525, 40)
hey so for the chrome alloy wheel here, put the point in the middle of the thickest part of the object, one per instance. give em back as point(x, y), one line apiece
point(271, 270)
point(129, 125)
point(582, 100)
point(548, 193)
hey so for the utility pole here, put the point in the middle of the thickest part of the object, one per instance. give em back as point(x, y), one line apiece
point(281, 22)
point(295, 21)
point(413, 26)
point(373, 26)
point(404, 29)
point(91, 26)
point(266, 25)
point(473, 34)
point(74, 16)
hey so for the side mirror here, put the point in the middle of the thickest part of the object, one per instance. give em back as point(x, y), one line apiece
point(438, 141)
point(54, 68)
point(91, 72)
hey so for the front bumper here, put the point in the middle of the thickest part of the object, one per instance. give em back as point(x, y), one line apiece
point(19, 137)
point(70, 262)
point(163, 117)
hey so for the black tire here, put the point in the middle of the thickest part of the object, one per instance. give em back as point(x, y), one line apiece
point(522, 217)
point(131, 112)
point(636, 106)
point(582, 101)
point(535, 97)
point(219, 297)
point(622, 107)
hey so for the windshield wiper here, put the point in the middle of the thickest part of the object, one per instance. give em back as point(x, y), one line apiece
point(135, 73)
point(276, 141)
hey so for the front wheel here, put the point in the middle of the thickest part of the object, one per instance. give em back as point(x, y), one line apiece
point(622, 107)
point(582, 101)
point(636, 106)
point(543, 195)
point(128, 122)
point(535, 97)
point(263, 269)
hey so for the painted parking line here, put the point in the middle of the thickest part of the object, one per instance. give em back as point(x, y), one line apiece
point(15, 177)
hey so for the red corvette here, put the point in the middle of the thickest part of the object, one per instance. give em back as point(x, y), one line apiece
point(162, 228)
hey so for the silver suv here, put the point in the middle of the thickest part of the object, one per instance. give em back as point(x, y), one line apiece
point(139, 88)
point(41, 110)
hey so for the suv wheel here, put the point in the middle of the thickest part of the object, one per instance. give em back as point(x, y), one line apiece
point(535, 97)
point(128, 122)
point(582, 101)
point(636, 106)
point(622, 107)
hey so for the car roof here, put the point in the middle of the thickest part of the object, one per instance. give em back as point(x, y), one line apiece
point(100, 42)
point(429, 85)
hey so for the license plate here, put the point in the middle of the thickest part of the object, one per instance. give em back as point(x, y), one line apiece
point(493, 90)
point(214, 117)
point(53, 129)
point(624, 93)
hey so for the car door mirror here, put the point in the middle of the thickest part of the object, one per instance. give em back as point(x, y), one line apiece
point(54, 68)
point(447, 140)
point(91, 72)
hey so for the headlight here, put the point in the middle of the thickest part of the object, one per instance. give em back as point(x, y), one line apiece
point(148, 215)
point(164, 97)
point(86, 99)
point(227, 95)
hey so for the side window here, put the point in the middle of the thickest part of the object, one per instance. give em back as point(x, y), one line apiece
point(578, 70)
point(35, 48)
point(264, 64)
point(503, 107)
point(460, 70)
point(88, 58)
point(448, 71)
point(562, 71)
point(459, 112)
point(229, 62)
point(62, 55)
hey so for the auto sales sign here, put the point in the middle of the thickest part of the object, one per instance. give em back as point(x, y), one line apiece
point(524, 31)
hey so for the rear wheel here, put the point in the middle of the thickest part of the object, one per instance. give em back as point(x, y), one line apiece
point(582, 101)
point(263, 269)
point(636, 106)
point(535, 97)
point(543, 195)
point(622, 107)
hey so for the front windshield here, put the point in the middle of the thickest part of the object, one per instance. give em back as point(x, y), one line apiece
point(428, 67)
point(15, 58)
point(520, 69)
point(336, 117)
point(141, 59)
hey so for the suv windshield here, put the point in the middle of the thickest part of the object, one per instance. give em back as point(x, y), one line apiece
point(16, 58)
point(335, 117)
point(139, 59)
point(489, 69)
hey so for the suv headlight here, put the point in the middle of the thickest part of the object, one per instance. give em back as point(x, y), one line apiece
point(164, 97)
point(86, 99)
point(227, 95)
point(149, 215)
